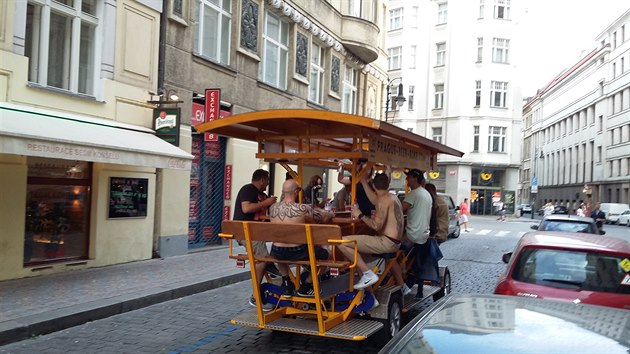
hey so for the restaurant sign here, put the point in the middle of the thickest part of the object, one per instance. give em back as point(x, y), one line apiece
point(166, 124)
point(398, 154)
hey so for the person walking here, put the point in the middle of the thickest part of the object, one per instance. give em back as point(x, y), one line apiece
point(599, 216)
point(464, 213)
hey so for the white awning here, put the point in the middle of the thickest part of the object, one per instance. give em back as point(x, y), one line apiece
point(36, 132)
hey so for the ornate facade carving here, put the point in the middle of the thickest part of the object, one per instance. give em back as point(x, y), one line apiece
point(249, 25)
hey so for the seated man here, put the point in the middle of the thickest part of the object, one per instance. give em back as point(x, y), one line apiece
point(289, 212)
point(388, 223)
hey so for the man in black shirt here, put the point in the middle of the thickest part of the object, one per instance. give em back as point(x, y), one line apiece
point(251, 205)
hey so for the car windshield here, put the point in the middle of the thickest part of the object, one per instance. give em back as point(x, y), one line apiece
point(580, 270)
point(568, 226)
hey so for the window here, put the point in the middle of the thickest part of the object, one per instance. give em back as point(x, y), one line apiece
point(623, 33)
point(395, 58)
point(395, 19)
point(437, 134)
point(502, 9)
point(479, 49)
point(623, 66)
point(481, 9)
point(614, 70)
point(476, 138)
point(442, 13)
point(410, 99)
point(439, 96)
point(496, 139)
point(273, 69)
point(614, 40)
point(440, 59)
point(412, 57)
point(500, 50)
point(212, 31)
point(498, 94)
point(60, 44)
point(316, 84)
point(354, 8)
point(600, 123)
point(477, 93)
point(57, 210)
point(349, 98)
point(414, 16)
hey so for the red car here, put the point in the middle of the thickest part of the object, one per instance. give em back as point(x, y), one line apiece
point(568, 266)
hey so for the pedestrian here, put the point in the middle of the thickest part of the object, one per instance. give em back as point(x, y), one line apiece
point(599, 216)
point(311, 191)
point(580, 210)
point(502, 213)
point(464, 213)
point(251, 205)
point(438, 225)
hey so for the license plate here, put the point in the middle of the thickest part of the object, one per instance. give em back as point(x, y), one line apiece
point(334, 272)
point(240, 263)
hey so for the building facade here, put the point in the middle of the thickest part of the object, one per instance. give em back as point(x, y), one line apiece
point(577, 128)
point(85, 180)
point(315, 54)
point(455, 61)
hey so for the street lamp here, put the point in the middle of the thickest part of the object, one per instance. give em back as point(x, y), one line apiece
point(534, 182)
point(164, 97)
point(399, 98)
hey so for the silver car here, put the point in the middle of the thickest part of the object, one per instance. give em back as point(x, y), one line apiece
point(476, 323)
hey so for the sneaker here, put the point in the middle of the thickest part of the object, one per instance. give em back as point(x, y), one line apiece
point(287, 287)
point(266, 307)
point(368, 278)
point(405, 290)
point(306, 290)
point(272, 270)
point(375, 305)
point(419, 294)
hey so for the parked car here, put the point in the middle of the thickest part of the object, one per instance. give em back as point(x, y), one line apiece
point(568, 223)
point(524, 208)
point(453, 220)
point(560, 209)
point(578, 268)
point(613, 210)
point(624, 218)
point(464, 323)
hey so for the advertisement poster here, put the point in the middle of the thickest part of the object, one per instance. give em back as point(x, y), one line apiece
point(166, 124)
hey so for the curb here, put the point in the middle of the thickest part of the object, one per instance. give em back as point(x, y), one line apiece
point(59, 319)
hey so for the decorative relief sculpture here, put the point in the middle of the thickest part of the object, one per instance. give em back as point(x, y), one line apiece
point(334, 74)
point(301, 54)
point(249, 25)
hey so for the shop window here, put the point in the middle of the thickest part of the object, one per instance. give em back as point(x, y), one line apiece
point(57, 210)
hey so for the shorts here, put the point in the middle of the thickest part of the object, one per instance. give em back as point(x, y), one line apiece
point(298, 253)
point(463, 218)
point(260, 248)
point(373, 244)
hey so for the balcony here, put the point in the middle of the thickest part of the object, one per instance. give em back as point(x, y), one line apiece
point(360, 37)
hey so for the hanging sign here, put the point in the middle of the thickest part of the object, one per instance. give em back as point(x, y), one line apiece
point(166, 124)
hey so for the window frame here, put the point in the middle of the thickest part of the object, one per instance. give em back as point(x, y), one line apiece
point(282, 49)
point(440, 54)
point(501, 50)
point(436, 134)
point(502, 7)
point(222, 48)
point(477, 93)
point(438, 102)
point(498, 135)
point(394, 56)
point(349, 91)
point(396, 19)
point(476, 137)
point(442, 13)
point(317, 73)
point(499, 88)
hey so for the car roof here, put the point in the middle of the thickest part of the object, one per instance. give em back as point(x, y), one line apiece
point(517, 325)
point(571, 240)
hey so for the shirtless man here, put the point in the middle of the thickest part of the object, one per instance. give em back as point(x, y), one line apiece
point(289, 212)
point(388, 223)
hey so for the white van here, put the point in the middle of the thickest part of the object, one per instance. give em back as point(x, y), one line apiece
point(612, 211)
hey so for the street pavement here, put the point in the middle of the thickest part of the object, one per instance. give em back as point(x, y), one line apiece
point(49, 303)
point(200, 322)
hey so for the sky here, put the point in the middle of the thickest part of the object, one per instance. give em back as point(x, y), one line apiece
point(555, 32)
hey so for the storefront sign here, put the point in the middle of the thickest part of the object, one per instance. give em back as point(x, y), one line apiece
point(207, 232)
point(128, 197)
point(166, 124)
point(227, 183)
point(198, 114)
point(226, 212)
point(212, 108)
point(398, 154)
point(213, 149)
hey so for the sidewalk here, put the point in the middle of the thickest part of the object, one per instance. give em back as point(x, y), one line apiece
point(49, 303)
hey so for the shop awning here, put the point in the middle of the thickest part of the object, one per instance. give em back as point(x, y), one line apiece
point(36, 132)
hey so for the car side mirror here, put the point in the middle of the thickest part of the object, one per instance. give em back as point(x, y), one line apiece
point(506, 257)
point(602, 232)
point(457, 208)
point(534, 227)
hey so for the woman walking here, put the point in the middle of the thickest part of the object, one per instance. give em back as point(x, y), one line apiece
point(464, 213)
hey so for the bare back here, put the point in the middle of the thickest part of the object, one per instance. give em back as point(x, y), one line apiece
point(296, 213)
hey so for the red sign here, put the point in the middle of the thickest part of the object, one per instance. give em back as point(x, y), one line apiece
point(198, 114)
point(212, 136)
point(192, 232)
point(227, 183)
point(213, 149)
point(212, 111)
point(226, 212)
point(207, 232)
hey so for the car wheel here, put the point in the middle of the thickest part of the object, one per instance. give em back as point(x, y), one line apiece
point(455, 233)
point(393, 323)
point(446, 289)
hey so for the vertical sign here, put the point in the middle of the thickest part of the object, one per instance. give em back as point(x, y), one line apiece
point(227, 183)
point(226, 212)
point(213, 105)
